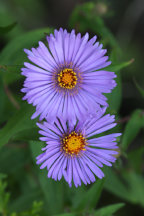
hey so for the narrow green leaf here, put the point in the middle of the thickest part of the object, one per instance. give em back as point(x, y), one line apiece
point(6, 29)
point(4, 197)
point(73, 195)
point(114, 99)
point(135, 159)
point(109, 210)
point(135, 183)
point(140, 89)
point(90, 197)
point(120, 66)
point(114, 185)
point(128, 185)
point(19, 122)
point(53, 191)
point(132, 128)
point(3, 98)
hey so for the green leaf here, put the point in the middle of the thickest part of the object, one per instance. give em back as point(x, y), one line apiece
point(12, 159)
point(27, 135)
point(10, 73)
point(4, 197)
point(8, 102)
point(85, 17)
point(19, 122)
point(33, 211)
point(6, 29)
point(135, 183)
point(120, 66)
point(132, 128)
point(3, 98)
point(109, 210)
point(135, 159)
point(12, 56)
point(90, 198)
point(114, 98)
point(7, 17)
point(114, 185)
point(2, 176)
point(24, 201)
point(140, 89)
point(126, 185)
point(13, 53)
point(53, 191)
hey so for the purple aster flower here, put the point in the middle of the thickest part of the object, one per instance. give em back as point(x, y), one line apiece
point(67, 76)
point(72, 152)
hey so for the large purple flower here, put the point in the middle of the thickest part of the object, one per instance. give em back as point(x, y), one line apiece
point(65, 78)
point(71, 151)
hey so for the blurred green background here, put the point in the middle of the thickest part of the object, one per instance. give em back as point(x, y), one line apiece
point(24, 189)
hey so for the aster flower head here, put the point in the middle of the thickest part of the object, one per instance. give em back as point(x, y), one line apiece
point(71, 151)
point(66, 78)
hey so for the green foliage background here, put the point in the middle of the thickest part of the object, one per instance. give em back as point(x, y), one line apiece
point(25, 190)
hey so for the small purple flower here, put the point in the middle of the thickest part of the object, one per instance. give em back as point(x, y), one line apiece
point(67, 77)
point(73, 153)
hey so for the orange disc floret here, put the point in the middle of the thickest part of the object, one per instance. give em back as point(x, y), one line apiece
point(67, 78)
point(74, 143)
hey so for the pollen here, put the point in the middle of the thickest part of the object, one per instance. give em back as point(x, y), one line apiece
point(74, 143)
point(67, 78)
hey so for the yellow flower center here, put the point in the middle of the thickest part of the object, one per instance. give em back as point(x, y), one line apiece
point(67, 78)
point(74, 143)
